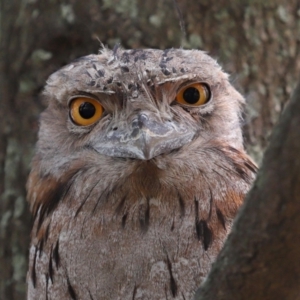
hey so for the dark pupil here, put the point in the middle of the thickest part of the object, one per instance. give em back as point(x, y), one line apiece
point(191, 95)
point(87, 110)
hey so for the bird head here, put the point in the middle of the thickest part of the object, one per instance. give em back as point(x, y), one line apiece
point(139, 104)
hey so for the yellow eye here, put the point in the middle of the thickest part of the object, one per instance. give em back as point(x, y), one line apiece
point(85, 111)
point(195, 94)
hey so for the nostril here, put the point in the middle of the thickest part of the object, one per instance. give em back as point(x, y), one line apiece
point(140, 121)
point(142, 118)
point(115, 128)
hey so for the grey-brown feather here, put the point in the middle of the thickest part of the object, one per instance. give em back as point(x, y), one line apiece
point(123, 228)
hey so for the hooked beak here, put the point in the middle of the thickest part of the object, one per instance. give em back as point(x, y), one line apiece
point(144, 138)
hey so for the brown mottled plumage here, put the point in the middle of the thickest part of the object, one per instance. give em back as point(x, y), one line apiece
point(137, 204)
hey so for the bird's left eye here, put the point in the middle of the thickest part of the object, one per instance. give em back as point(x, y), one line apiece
point(85, 111)
point(195, 94)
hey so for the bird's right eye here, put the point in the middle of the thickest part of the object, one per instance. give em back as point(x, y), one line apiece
point(85, 111)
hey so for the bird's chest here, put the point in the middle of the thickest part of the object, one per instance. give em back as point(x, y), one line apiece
point(151, 253)
point(143, 238)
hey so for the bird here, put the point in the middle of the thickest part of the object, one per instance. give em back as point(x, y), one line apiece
point(138, 173)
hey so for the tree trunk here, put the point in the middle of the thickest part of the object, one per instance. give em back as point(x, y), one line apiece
point(258, 43)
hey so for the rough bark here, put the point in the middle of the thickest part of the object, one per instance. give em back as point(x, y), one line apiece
point(261, 258)
point(256, 41)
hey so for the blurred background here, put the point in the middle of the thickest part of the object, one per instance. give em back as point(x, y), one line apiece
point(256, 42)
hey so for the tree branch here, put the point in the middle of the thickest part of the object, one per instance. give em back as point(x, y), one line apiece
point(261, 258)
